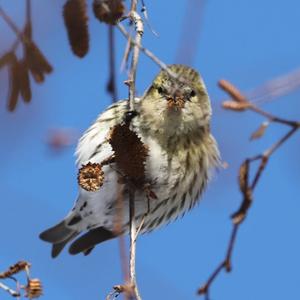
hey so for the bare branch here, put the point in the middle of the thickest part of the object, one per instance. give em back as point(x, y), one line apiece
point(9, 290)
point(147, 52)
point(246, 187)
point(131, 84)
point(133, 237)
point(111, 84)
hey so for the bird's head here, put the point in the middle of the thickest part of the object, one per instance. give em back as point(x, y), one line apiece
point(176, 104)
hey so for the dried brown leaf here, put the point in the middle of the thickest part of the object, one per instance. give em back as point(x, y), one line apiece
point(260, 131)
point(236, 106)
point(130, 152)
point(233, 92)
point(90, 177)
point(108, 11)
point(76, 22)
point(6, 59)
point(24, 81)
point(14, 85)
point(36, 62)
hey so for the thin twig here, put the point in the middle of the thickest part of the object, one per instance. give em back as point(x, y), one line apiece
point(136, 52)
point(9, 21)
point(12, 292)
point(145, 13)
point(147, 52)
point(131, 84)
point(111, 84)
point(28, 10)
point(273, 118)
point(122, 246)
point(21, 36)
point(153, 57)
point(133, 236)
point(125, 58)
point(247, 188)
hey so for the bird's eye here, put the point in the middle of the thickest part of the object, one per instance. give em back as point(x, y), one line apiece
point(160, 90)
point(193, 93)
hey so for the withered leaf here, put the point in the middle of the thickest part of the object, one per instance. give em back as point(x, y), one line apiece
point(76, 22)
point(260, 131)
point(130, 152)
point(24, 81)
point(36, 62)
point(14, 85)
point(6, 59)
point(108, 11)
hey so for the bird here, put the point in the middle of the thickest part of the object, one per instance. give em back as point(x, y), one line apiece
point(172, 121)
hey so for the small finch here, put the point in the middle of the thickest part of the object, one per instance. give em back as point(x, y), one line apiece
point(172, 122)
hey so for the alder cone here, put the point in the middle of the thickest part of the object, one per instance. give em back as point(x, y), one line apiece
point(76, 22)
point(108, 11)
point(90, 177)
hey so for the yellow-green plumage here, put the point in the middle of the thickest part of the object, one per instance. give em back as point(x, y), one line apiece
point(172, 119)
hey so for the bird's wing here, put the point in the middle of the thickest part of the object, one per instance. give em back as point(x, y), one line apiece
point(93, 145)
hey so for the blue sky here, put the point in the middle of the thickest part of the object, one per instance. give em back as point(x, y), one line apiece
point(247, 42)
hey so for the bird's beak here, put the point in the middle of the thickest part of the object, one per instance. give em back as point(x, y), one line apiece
point(175, 102)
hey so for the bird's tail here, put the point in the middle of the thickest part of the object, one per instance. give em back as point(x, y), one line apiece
point(58, 235)
point(62, 233)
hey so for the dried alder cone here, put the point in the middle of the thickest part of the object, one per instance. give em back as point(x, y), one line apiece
point(130, 153)
point(108, 11)
point(33, 289)
point(76, 22)
point(90, 177)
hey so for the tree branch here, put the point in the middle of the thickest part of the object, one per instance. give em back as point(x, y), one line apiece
point(12, 292)
point(111, 84)
point(247, 188)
